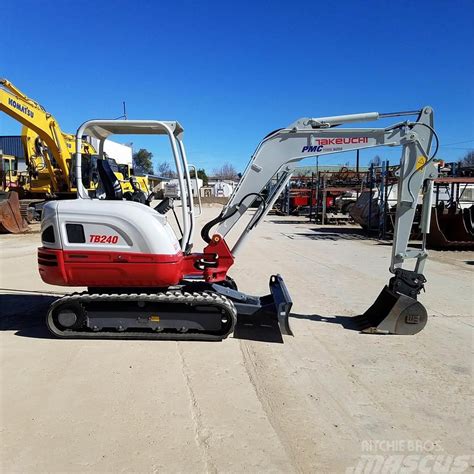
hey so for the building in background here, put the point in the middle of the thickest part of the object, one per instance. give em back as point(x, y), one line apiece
point(171, 187)
point(122, 154)
point(12, 145)
point(221, 187)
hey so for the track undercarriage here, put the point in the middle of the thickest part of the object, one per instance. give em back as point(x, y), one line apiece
point(193, 311)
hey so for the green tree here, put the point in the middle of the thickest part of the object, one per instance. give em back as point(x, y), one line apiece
point(142, 161)
point(201, 172)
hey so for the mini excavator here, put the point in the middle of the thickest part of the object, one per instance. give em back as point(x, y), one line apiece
point(145, 282)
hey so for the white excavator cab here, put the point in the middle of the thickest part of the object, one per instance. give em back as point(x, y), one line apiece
point(102, 129)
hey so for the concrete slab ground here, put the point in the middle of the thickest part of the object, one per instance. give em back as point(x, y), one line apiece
point(321, 402)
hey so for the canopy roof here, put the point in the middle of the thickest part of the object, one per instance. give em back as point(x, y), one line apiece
point(103, 128)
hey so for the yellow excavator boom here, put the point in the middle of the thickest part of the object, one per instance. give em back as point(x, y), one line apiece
point(32, 115)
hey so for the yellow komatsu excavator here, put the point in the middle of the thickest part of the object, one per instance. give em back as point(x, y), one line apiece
point(40, 160)
point(35, 149)
point(9, 176)
point(10, 182)
point(49, 158)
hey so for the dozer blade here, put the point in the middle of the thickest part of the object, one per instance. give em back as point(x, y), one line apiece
point(261, 311)
point(11, 221)
point(394, 313)
point(283, 303)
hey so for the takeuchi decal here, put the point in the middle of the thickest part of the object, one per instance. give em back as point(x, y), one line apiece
point(331, 144)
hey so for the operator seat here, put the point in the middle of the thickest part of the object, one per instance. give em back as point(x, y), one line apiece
point(110, 183)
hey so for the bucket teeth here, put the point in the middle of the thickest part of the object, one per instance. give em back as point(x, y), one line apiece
point(11, 220)
point(393, 313)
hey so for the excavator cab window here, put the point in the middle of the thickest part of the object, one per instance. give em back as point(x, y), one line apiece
point(109, 181)
point(124, 170)
point(88, 169)
point(113, 165)
point(7, 165)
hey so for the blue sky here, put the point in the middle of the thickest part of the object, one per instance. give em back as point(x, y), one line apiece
point(231, 72)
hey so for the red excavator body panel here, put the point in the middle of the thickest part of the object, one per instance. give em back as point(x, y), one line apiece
point(127, 269)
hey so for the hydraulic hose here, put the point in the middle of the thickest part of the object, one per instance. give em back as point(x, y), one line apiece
point(221, 218)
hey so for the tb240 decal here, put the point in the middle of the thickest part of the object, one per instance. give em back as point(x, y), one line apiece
point(103, 239)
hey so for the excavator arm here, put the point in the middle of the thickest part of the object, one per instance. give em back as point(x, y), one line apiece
point(32, 115)
point(37, 154)
point(396, 309)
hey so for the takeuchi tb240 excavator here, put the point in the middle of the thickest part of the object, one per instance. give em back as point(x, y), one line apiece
point(144, 281)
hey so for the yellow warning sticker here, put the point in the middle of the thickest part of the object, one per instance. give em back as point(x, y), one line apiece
point(420, 162)
point(155, 319)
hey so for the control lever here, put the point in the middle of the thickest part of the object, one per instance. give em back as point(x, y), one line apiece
point(164, 206)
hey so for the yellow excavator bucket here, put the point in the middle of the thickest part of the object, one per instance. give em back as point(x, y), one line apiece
point(11, 220)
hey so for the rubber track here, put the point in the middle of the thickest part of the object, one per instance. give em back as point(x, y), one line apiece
point(201, 298)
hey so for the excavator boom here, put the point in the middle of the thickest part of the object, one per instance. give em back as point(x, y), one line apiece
point(32, 115)
point(396, 309)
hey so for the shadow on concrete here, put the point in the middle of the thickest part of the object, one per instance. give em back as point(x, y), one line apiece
point(332, 233)
point(412, 244)
point(342, 232)
point(255, 331)
point(25, 314)
point(270, 332)
point(289, 222)
point(352, 323)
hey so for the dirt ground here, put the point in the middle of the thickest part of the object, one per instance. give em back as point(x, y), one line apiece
point(319, 402)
